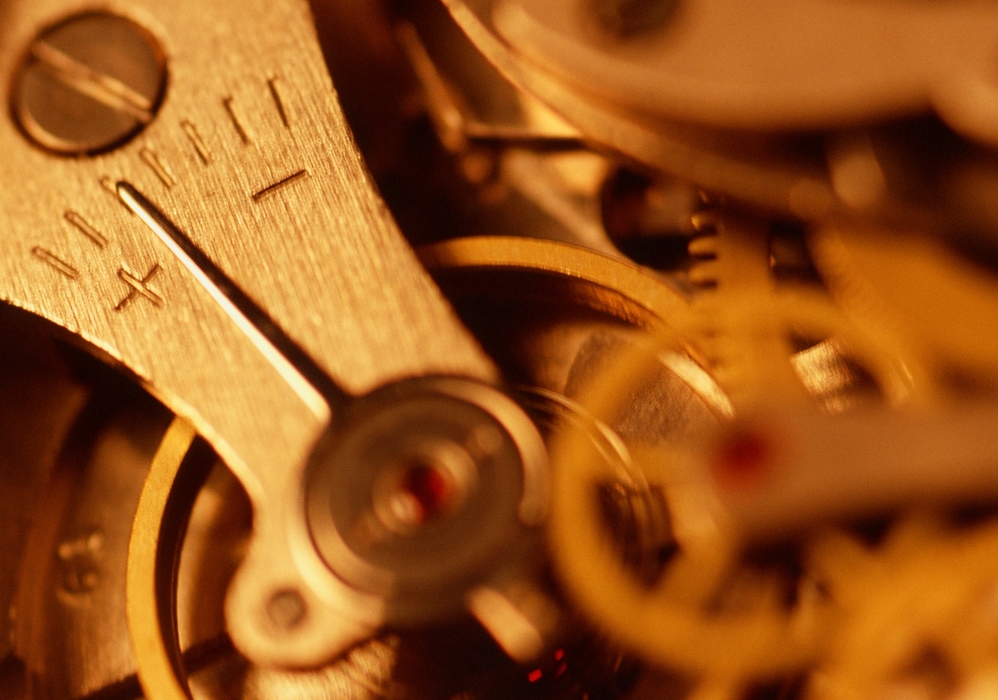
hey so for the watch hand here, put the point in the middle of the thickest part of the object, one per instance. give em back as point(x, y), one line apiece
point(251, 320)
point(253, 161)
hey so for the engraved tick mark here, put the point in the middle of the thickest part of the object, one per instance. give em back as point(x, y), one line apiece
point(275, 93)
point(139, 287)
point(236, 121)
point(108, 184)
point(150, 158)
point(54, 261)
point(195, 138)
point(271, 189)
point(86, 228)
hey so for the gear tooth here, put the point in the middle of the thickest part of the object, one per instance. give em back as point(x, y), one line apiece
point(704, 221)
point(706, 285)
point(705, 273)
point(703, 246)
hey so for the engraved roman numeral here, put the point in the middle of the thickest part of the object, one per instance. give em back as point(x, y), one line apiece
point(139, 287)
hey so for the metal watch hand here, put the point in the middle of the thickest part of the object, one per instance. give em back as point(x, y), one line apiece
point(248, 154)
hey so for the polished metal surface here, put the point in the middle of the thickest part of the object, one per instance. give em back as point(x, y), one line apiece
point(241, 162)
point(417, 467)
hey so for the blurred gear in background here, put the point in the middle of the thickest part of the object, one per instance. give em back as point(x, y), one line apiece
point(706, 408)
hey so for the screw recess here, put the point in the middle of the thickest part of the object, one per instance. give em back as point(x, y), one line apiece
point(88, 84)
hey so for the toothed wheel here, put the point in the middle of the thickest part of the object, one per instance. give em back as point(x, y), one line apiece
point(712, 614)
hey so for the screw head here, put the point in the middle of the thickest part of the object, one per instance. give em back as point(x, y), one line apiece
point(427, 487)
point(88, 84)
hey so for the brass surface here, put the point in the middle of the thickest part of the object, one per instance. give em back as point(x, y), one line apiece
point(320, 255)
point(632, 292)
point(772, 182)
point(596, 282)
point(250, 158)
point(41, 402)
point(210, 231)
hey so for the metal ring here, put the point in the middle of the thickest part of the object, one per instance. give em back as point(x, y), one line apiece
point(153, 554)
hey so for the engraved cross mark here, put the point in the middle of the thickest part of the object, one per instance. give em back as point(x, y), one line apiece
point(139, 287)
